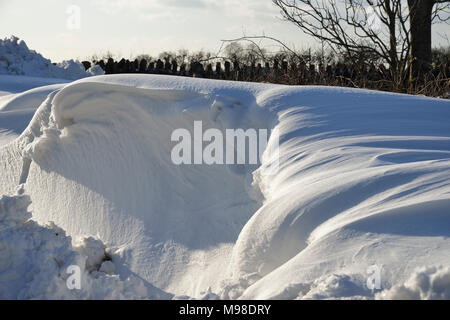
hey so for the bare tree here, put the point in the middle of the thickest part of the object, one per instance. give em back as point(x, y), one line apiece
point(386, 29)
point(423, 13)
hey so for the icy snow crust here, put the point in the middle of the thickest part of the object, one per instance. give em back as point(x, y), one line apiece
point(364, 180)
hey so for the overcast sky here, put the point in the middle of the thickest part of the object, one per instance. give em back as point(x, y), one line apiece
point(131, 27)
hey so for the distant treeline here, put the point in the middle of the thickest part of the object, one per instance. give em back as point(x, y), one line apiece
point(304, 69)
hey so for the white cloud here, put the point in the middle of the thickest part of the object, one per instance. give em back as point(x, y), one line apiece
point(252, 9)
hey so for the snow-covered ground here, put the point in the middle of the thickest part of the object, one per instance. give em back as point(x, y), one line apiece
point(362, 190)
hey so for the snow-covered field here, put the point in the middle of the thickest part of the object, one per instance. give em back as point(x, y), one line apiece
point(362, 191)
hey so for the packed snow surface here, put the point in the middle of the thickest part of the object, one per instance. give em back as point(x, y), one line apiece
point(363, 183)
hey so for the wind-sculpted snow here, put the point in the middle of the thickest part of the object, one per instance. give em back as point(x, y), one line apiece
point(363, 180)
point(17, 109)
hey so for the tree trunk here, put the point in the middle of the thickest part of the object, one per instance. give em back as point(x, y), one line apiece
point(392, 40)
point(420, 55)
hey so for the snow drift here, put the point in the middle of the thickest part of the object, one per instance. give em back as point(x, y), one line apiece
point(17, 109)
point(363, 179)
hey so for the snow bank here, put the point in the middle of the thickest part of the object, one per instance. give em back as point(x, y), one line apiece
point(425, 283)
point(35, 260)
point(363, 180)
point(17, 59)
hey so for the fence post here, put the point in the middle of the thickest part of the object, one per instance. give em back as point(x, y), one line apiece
point(143, 66)
point(218, 70)
point(167, 67)
point(259, 71)
point(227, 70)
point(236, 70)
point(174, 67)
point(275, 68)
point(151, 67)
point(284, 66)
point(209, 70)
point(183, 70)
point(159, 66)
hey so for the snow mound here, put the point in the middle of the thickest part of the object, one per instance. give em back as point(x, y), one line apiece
point(17, 59)
point(35, 259)
point(425, 283)
point(363, 180)
point(95, 70)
